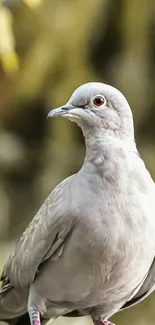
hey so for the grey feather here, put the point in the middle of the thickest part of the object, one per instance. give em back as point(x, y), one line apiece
point(146, 288)
point(44, 235)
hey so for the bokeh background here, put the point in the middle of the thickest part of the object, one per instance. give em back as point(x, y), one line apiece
point(47, 49)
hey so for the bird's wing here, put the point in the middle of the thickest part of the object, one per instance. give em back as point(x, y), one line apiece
point(147, 287)
point(43, 238)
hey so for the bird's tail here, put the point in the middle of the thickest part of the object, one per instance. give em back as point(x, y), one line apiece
point(13, 303)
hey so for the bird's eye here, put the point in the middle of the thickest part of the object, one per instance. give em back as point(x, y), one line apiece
point(98, 101)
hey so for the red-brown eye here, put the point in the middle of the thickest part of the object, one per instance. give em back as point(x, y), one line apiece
point(99, 100)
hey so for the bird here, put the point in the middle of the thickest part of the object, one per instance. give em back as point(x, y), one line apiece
point(90, 249)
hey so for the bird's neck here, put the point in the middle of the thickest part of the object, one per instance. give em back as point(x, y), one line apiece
point(102, 146)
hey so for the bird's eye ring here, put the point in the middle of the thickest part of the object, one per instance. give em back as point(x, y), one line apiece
point(99, 100)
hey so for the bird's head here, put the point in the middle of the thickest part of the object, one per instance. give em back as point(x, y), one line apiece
point(97, 106)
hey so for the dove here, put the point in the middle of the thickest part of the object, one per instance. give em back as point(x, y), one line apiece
point(90, 248)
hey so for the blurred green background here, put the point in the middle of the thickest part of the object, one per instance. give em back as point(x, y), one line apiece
point(47, 49)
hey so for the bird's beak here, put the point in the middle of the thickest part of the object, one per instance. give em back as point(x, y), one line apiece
point(59, 111)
